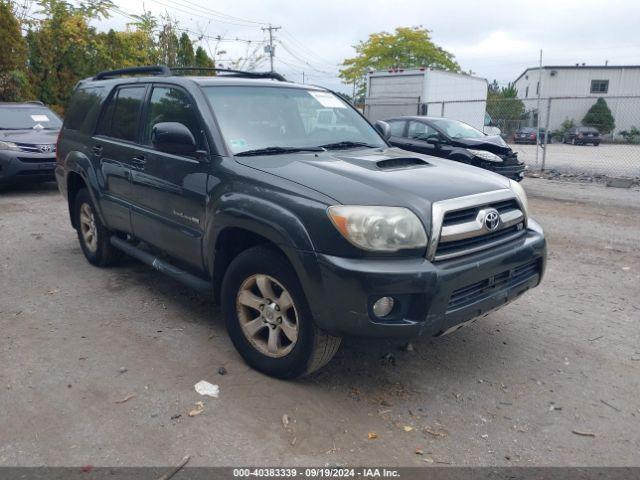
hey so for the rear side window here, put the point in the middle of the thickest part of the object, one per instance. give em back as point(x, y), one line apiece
point(420, 131)
point(84, 108)
point(120, 119)
point(397, 128)
point(168, 104)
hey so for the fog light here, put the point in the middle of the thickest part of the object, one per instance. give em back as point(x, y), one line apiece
point(383, 306)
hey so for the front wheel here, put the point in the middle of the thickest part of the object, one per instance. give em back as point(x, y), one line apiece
point(268, 318)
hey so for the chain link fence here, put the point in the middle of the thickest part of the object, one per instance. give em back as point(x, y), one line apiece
point(615, 153)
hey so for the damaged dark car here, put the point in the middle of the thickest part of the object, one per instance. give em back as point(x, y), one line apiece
point(455, 140)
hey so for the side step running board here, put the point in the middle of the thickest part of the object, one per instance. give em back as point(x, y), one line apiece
point(162, 266)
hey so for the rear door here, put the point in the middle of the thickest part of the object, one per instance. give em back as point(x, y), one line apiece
point(170, 190)
point(114, 147)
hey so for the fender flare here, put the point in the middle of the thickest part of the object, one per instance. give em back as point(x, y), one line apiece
point(79, 164)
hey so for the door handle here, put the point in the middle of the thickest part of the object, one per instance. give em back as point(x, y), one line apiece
point(139, 161)
point(97, 149)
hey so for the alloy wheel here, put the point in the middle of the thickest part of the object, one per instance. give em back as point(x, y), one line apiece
point(88, 227)
point(267, 315)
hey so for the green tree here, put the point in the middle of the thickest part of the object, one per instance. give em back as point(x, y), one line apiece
point(407, 47)
point(63, 48)
point(185, 56)
point(202, 59)
point(14, 83)
point(600, 117)
point(504, 106)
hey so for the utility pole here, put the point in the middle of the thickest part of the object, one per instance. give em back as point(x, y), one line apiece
point(271, 48)
point(538, 107)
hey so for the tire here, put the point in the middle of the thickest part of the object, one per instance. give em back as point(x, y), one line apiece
point(595, 144)
point(251, 327)
point(96, 246)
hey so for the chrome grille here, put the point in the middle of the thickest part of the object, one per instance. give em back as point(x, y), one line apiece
point(40, 148)
point(461, 227)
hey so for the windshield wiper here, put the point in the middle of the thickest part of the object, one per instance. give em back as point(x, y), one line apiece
point(278, 150)
point(347, 144)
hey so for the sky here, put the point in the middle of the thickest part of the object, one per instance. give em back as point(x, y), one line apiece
point(494, 39)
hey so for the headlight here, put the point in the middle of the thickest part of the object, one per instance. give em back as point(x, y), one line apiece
point(483, 154)
point(8, 146)
point(521, 194)
point(383, 229)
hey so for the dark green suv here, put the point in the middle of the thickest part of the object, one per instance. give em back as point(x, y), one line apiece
point(287, 206)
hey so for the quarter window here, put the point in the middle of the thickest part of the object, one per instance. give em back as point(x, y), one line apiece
point(599, 86)
point(168, 104)
point(84, 108)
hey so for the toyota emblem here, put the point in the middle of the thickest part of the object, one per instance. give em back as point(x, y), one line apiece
point(45, 148)
point(491, 220)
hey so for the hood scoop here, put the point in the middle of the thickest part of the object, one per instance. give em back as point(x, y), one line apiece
point(396, 163)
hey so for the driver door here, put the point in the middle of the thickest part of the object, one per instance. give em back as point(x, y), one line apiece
point(417, 134)
point(170, 190)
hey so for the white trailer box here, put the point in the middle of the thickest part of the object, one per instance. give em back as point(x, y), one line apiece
point(434, 93)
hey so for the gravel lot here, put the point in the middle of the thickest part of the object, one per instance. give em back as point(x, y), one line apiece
point(613, 160)
point(553, 379)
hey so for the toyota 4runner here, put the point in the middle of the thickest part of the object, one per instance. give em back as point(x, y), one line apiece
point(304, 231)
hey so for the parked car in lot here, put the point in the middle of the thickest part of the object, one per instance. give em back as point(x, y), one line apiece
point(455, 140)
point(304, 233)
point(582, 136)
point(530, 135)
point(28, 133)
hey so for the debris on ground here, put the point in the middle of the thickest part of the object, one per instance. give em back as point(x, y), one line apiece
point(53, 291)
point(388, 359)
point(179, 467)
point(428, 460)
point(123, 370)
point(176, 416)
point(372, 435)
point(408, 347)
point(407, 428)
point(611, 406)
point(222, 371)
point(205, 388)
point(127, 398)
point(199, 408)
point(419, 451)
point(437, 432)
point(285, 420)
point(583, 434)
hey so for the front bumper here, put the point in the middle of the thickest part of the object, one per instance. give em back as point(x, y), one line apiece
point(513, 171)
point(432, 298)
point(16, 166)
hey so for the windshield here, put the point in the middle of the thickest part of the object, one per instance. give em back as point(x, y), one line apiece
point(255, 118)
point(22, 118)
point(456, 129)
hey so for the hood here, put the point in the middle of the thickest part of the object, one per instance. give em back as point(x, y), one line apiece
point(389, 176)
point(493, 144)
point(37, 137)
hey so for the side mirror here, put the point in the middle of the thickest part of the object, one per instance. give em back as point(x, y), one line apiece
point(434, 140)
point(173, 137)
point(383, 129)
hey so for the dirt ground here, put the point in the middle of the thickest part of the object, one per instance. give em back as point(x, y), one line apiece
point(553, 379)
point(606, 159)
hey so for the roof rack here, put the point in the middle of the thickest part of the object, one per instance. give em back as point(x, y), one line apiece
point(154, 70)
point(233, 73)
point(162, 70)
